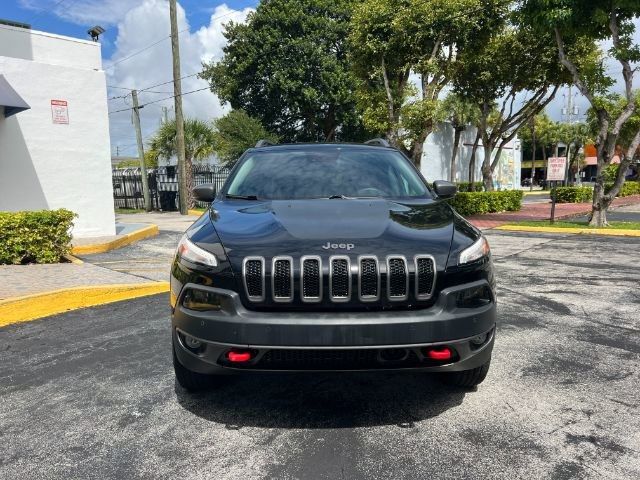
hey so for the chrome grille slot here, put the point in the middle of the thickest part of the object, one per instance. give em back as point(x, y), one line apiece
point(253, 276)
point(425, 276)
point(340, 279)
point(368, 279)
point(311, 279)
point(397, 278)
point(282, 279)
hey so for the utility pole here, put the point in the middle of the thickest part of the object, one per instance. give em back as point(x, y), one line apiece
point(143, 167)
point(177, 92)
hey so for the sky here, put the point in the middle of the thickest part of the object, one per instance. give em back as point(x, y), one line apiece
point(136, 53)
point(131, 26)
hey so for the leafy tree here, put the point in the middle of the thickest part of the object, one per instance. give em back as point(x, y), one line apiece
point(575, 22)
point(150, 161)
point(198, 145)
point(512, 77)
point(287, 66)
point(392, 39)
point(460, 113)
point(235, 132)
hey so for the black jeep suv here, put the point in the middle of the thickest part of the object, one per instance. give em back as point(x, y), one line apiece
point(317, 257)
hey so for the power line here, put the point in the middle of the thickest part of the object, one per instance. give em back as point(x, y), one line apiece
point(159, 100)
point(147, 89)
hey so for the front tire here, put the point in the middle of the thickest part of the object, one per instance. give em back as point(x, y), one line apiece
point(189, 380)
point(467, 378)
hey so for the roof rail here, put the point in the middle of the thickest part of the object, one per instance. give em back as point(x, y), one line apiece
point(379, 142)
point(264, 143)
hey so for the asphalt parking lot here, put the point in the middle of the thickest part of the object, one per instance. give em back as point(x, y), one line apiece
point(91, 393)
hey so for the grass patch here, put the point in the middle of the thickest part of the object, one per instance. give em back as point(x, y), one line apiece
point(577, 224)
point(129, 210)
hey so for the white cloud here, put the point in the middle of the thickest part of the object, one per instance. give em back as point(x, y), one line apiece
point(154, 65)
point(83, 12)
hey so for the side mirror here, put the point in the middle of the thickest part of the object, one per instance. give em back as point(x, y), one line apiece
point(205, 192)
point(445, 189)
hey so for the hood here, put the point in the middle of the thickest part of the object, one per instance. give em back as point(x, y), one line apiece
point(328, 227)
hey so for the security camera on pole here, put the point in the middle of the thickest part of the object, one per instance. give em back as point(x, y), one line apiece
point(177, 92)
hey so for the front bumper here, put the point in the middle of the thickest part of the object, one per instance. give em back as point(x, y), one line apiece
point(368, 333)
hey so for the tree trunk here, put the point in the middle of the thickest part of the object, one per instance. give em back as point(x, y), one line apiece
point(544, 159)
point(416, 154)
point(599, 205)
point(487, 174)
point(472, 163)
point(188, 170)
point(457, 131)
point(533, 155)
point(418, 146)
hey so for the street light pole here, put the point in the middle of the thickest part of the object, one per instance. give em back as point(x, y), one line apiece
point(177, 92)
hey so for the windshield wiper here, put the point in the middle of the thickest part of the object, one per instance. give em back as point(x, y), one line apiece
point(241, 197)
point(333, 197)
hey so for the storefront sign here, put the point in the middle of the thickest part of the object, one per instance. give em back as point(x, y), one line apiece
point(59, 111)
point(556, 167)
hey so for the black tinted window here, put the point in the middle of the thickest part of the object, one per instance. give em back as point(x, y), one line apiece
point(351, 172)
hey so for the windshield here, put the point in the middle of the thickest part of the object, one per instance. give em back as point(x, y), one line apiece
point(327, 173)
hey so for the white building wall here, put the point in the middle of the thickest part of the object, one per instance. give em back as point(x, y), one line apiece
point(45, 165)
point(438, 148)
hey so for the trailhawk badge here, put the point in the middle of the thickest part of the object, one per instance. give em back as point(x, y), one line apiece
point(338, 246)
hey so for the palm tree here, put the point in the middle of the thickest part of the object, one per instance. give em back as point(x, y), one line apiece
point(198, 145)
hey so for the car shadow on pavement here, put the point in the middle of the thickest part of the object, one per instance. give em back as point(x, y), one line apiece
point(327, 400)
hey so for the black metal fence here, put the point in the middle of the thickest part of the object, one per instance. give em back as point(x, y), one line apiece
point(163, 186)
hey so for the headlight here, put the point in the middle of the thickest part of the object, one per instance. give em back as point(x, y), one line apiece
point(479, 249)
point(194, 254)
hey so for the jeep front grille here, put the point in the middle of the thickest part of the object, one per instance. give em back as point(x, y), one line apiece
point(375, 279)
point(397, 278)
point(282, 279)
point(340, 279)
point(425, 267)
point(311, 279)
point(369, 279)
point(253, 274)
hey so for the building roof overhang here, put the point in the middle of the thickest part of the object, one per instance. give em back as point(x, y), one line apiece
point(10, 100)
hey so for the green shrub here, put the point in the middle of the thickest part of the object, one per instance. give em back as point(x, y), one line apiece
point(466, 186)
point(35, 237)
point(476, 203)
point(611, 172)
point(573, 194)
point(628, 188)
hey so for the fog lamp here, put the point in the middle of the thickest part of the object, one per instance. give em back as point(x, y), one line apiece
point(201, 300)
point(479, 339)
point(474, 297)
point(192, 343)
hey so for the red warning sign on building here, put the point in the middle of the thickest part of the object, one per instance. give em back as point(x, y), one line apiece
point(60, 111)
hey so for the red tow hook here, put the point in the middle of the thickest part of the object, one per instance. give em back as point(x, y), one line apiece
point(440, 354)
point(239, 356)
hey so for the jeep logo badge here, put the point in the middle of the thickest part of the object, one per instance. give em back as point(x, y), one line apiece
point(336, 246)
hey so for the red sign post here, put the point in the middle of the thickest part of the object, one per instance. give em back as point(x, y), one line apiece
point(556, 168)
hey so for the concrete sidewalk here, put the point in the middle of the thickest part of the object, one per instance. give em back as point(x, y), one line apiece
point(32, 291)
point(542, 211)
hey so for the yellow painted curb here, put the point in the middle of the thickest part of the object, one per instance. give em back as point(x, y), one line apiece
point(195, 212)
point(536, 192)
point(129, 238)
point(577, 230)
point(31, 307)
point(73, 259)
